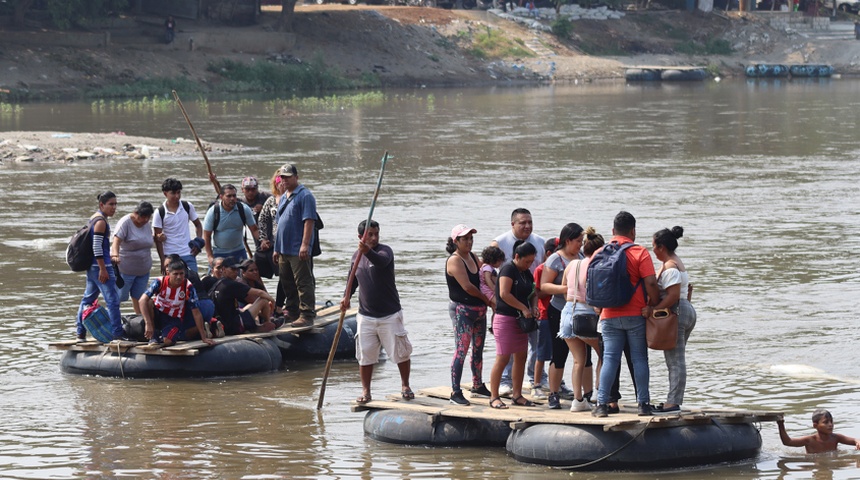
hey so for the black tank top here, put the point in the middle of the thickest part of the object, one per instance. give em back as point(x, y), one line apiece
point(456, 292)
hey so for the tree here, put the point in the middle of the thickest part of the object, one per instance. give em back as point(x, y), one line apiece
point(288, 13)
point(21, 8)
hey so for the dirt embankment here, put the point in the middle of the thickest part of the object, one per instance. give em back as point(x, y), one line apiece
point(413, 46)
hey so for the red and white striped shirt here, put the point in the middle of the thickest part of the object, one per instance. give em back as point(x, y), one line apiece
point(171, 301)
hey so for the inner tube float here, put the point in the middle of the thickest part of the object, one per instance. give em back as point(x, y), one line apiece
point(766, 70)
point(415, 428)
point(810, 70)
point(686, 75)
point(641, 75)
point(239, 357)
point(316, 345)
point(590, 447)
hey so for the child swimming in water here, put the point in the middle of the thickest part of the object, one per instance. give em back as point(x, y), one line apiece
point(824, 439)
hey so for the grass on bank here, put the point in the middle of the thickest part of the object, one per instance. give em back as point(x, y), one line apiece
point(493, 44)
point(238, 77)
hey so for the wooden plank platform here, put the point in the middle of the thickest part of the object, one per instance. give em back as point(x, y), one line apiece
point(434, 401)
point(325, 317)
point(667, 67)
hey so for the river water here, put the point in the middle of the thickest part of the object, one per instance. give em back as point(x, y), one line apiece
point(762, 176)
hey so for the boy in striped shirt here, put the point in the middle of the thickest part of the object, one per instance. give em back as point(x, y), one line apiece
point(163, 305)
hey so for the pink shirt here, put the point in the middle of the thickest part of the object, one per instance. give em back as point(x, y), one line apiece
point(579, 293)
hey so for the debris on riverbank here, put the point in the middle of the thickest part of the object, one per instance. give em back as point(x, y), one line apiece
point(25, 147)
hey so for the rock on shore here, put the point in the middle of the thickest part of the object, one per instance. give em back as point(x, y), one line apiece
point(24, 147)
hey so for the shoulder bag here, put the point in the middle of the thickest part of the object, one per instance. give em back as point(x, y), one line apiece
point(661, 329)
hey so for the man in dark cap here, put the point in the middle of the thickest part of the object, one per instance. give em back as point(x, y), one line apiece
point(297, 213)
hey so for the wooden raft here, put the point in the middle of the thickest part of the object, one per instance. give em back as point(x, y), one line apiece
point(661, 68)
point(325, 317)
point(434, 401)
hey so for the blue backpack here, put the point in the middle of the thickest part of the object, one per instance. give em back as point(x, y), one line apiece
point(607, 282)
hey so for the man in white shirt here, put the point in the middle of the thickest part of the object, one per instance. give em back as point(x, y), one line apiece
point(521, 229)
point(170, 223)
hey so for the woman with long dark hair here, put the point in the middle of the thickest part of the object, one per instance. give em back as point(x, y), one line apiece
point(514, 297)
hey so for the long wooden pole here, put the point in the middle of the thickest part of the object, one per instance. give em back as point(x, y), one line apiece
point(212, 178)
point(349, 282)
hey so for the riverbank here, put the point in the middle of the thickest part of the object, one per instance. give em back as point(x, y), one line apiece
point(25, 147)
point(339, 47)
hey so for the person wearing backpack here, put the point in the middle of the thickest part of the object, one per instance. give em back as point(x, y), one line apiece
point(101, 276)
point(623, 269)
point(223, 227)
point(170, 226)
point(294, 239)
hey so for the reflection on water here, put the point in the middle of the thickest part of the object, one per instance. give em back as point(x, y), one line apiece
point(760, 175)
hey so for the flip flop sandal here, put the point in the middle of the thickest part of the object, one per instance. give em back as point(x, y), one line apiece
point(523, 402)
point(498, 406)
point(408, 394)
point(363, 399)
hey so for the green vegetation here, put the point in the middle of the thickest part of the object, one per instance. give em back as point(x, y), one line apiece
point(144, 105)
point(562, 27)
point(314, 76)
point(10, 109)
point(493, 44)
point(331, 102)
point(712, 46)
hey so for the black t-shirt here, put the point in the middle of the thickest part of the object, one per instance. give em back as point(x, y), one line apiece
point(522, 288)
point(202, 291)
point(227, 294)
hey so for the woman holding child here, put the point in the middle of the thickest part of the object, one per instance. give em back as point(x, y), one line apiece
point(468, 310)
point(579, 320)
point(675, 293)
point(514, 297)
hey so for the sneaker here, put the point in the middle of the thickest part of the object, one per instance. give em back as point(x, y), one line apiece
point(614, 409)
point(645, 410)
point(580, 406)
point(81, 338)
point(565, 392)
point(279, 321)
point(207, 330)
point(505, 390)
point(553, 402)
point(538, 393)
point(482, 390)
point(600, 411)
point(218, 329)
point(457, 398)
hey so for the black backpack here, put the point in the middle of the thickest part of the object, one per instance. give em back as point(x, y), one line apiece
point(217, 213)
point(163, 212)
point(607, 281)
point(79, 253)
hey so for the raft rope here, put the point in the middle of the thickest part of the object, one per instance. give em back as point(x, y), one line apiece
point(608, 455)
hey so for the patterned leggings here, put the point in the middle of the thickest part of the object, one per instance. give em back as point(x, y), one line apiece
point(470, 328)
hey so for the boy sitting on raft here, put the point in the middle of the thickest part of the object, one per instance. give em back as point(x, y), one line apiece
point(163, 306)
point(824, 439)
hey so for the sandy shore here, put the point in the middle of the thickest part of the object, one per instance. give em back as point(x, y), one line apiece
point(24, 147)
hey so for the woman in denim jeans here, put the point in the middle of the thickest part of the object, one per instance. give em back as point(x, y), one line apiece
point(675, 293)
point(100, 276)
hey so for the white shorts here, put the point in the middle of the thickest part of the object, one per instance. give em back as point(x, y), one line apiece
point(387, 332)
